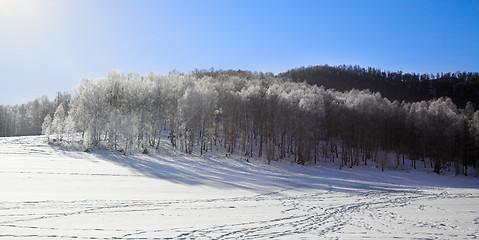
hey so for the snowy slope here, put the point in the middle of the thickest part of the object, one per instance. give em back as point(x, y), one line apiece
point(47, 192)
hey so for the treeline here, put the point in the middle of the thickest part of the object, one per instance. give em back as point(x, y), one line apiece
point(262, 115)
point(26, 119)
point(461, 87)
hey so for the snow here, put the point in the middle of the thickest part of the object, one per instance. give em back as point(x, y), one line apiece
point(48, 192)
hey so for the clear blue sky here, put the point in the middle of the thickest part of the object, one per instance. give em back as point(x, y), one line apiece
point(49, 45)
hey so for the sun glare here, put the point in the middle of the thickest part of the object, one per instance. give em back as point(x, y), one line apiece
point(23, 9)
point(5, 6)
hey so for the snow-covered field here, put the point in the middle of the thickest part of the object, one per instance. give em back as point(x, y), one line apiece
point(47, 192)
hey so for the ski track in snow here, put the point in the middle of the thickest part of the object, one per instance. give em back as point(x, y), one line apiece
point(165, 209)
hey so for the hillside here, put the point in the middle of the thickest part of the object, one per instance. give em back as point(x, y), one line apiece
point(461, 87)
point(50, 193)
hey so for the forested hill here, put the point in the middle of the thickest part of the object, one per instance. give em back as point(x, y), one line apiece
point(461, 87)
point(266, 116)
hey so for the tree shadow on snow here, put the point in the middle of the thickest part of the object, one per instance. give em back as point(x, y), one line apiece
point(221, 172)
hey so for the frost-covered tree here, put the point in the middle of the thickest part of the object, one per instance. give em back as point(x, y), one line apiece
point(90, 108)
point(47, 127)
point(129, 131)
point(70, 127)
point(58, 123)
point(114, 127)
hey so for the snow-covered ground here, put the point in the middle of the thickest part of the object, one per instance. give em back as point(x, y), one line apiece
point(47, 192)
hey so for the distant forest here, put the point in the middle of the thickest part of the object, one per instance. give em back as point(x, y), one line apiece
point(345, 115)
point(461, 87)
